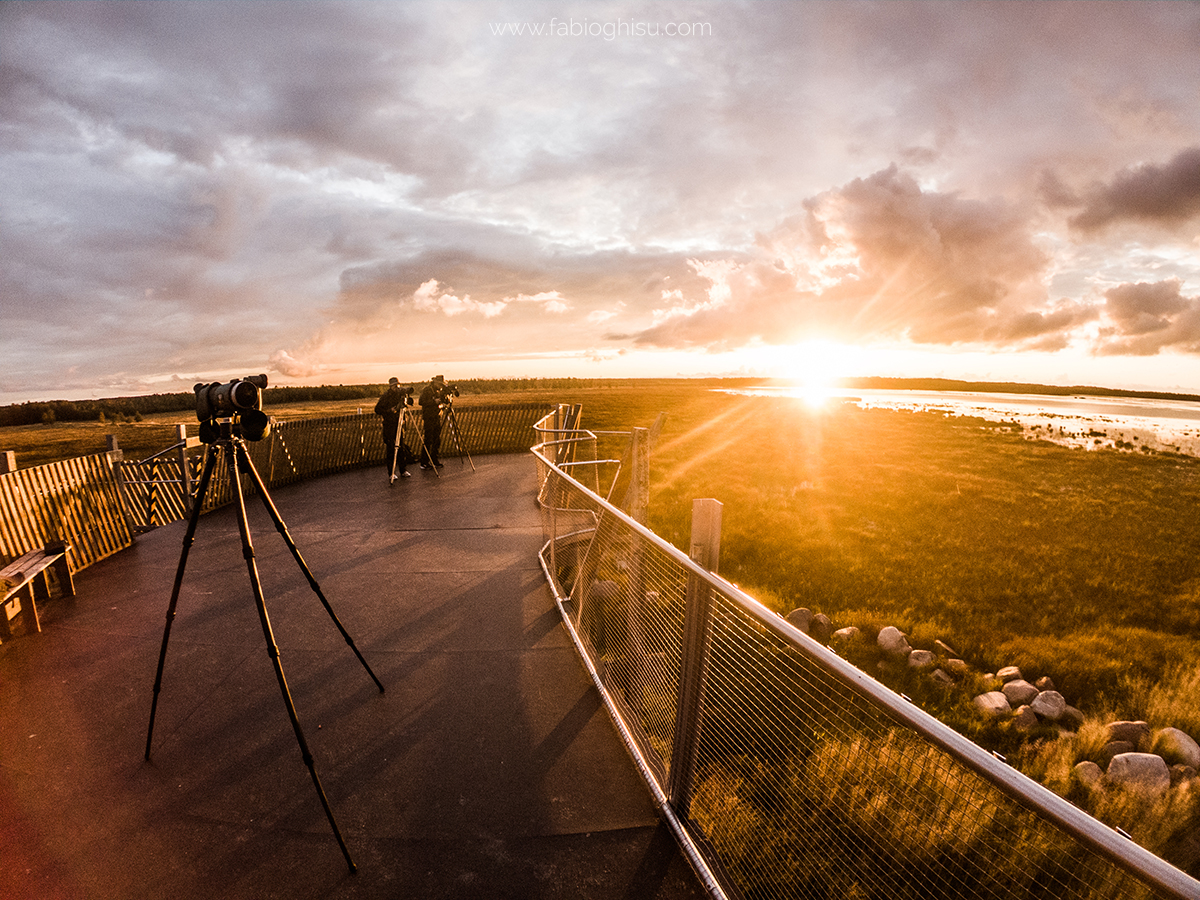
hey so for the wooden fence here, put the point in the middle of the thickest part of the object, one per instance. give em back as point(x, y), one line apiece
point(77, 500)
point(99, 503)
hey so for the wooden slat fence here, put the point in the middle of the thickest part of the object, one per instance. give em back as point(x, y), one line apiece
point(153, 491)
point(77, 500)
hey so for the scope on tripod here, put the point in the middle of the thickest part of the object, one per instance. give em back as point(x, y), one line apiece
point(239, 400)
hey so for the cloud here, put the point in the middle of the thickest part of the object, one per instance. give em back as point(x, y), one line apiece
point(1148, 317)
point(284, 363)
point(1165, 195)
point(879, 257)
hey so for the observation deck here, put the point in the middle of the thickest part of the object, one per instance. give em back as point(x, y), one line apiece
point(488, 768)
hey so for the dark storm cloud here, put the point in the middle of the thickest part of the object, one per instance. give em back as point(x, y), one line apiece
point(1167, 195)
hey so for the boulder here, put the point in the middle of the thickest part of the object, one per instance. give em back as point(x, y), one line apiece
point(1176, 746)
point(1019, 691)
point(1009, 673)
point(1045, 683)
point(820, 628)
point(1112, 749)
point(958, 668)
point(800, 619)
point(893, 642)
point(993, 704)
point(937, 676)
point(920, 659)
point(1141, 772)
point(1088, 774)
point(1134, 732)
point(1025, 719)
point(1049, 705)
point(844, 636)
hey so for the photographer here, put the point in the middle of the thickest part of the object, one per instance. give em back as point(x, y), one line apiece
point(389, 406)
point(432, 397)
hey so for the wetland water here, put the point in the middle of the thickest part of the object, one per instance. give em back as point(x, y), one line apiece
point(1129, 423)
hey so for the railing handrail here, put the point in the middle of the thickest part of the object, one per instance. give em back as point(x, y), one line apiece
point(1107, 842)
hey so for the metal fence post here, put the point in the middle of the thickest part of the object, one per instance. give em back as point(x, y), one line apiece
point(705, 551)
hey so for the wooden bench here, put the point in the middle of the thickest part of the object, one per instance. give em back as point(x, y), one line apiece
point(27, 581)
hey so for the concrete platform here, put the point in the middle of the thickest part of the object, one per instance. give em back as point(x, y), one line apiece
point(488, 768)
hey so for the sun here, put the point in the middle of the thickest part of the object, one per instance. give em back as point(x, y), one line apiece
point(815, 367)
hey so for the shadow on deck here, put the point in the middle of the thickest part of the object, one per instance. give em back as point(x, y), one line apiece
point(488, 768)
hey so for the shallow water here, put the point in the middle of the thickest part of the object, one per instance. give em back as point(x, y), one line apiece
point(1093, 423)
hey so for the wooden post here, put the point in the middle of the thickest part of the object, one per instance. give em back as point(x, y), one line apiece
point(185, 471)
point(705, 551)
point(637, 497)
point(8, 462)
point(111, 443)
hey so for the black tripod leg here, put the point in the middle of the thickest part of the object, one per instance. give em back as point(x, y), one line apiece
point(458, 440)
point(237, 450)
point(210, 458)
point(281, 527)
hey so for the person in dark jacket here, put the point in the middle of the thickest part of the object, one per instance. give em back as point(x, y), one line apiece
point(431, 401)
point(389, 406)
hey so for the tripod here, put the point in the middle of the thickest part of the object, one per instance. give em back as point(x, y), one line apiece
point(449, 419)
point(398, 442)
point(233, 446)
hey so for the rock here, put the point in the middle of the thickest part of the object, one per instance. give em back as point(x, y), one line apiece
point(993, 704)
point(1088, 774)
point(1019, 691)
point(920, 659)
point(1071, 718)
point(937, 676)
point(1134, 732)
point(1009, 673)
point(820, 628)
point(893, 642)
point(1045, 683)
point(1176, 746)
point(1049, 705)
point(1111, 749)
point(1142, 772)
point(800, 618)
point(1181, 774)
point(1025, 719)
point(845, 636)
point(945, 649)
point(958, 668)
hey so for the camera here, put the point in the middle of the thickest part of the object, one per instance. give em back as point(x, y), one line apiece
point(448, 391)
point(239, 400)
point(406, 396)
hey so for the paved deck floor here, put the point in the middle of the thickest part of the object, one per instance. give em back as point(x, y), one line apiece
point(488, 767)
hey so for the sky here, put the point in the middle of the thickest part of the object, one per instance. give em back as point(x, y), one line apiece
point(338, 192)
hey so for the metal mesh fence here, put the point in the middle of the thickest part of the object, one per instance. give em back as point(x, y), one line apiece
point(786, 772)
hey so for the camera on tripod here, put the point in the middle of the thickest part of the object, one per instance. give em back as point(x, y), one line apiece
point(406, 396)
point(447, 392)
point(239, 401)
